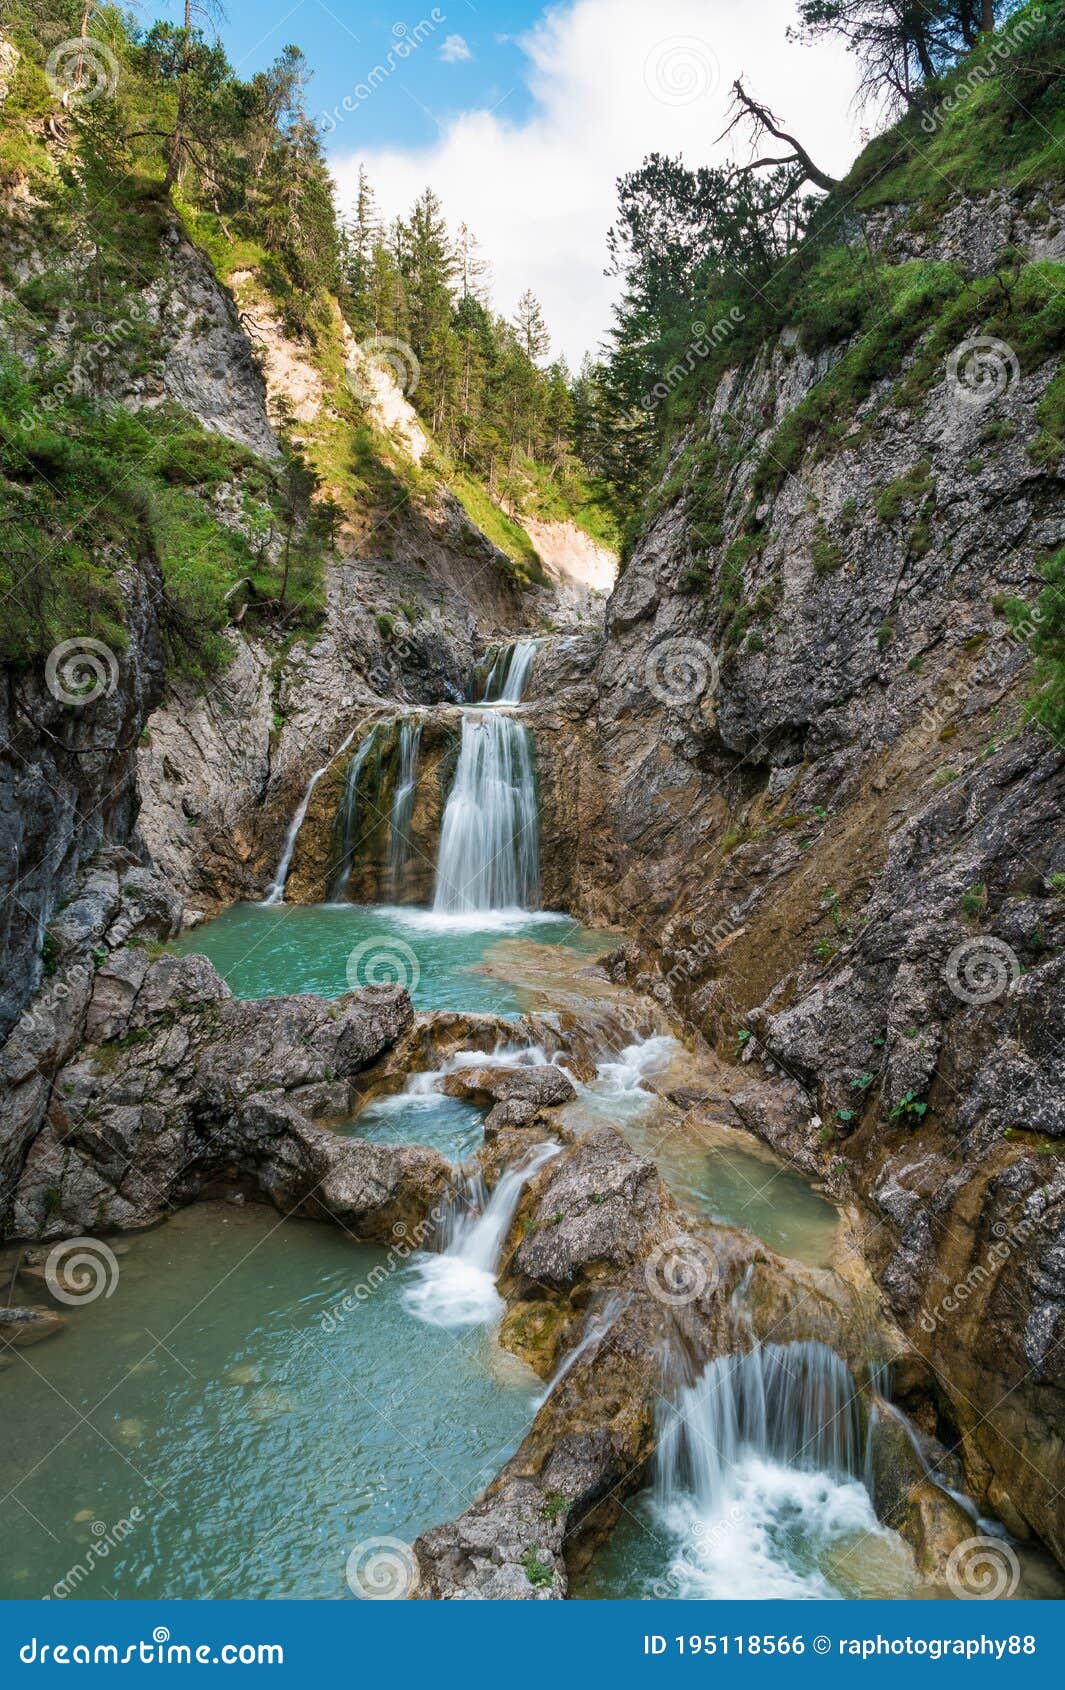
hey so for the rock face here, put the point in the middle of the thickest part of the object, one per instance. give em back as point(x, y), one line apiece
point(374, 875)
point(797, 770)
point(209, 368)
point(182, 1085)
point(68, 783)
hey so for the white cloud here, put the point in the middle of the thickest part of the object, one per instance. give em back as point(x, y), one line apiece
point(611, 80)
point(456, 50)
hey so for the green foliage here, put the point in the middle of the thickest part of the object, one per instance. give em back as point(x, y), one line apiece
point(693, 244)
point(538, 1573)
point(496, 408)
point(555, 1503)
point(992, 121)
point(907, 490)
point(90, 497)
point(501, 529)
point(909, 1105)
point(824, 552)
point(1043, 626)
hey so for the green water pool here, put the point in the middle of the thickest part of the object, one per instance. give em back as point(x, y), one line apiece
point(252, 1425)
point(270, 950)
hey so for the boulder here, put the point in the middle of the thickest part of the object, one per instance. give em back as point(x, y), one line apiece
point(543, 1085)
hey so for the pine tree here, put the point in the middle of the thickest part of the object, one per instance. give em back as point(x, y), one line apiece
point(473, 270)
point(360, 237)
point(530, 327)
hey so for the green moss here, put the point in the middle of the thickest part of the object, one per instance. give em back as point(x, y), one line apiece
point(67, 549)
point(1042, 625)
point(906, 490)
point(554, 1506)
point(824, 552)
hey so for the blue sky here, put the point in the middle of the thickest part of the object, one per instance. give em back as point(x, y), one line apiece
point(343, 41)
point(522, 115)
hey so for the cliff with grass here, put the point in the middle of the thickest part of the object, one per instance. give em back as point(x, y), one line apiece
point(226, 510)
point(817, 766)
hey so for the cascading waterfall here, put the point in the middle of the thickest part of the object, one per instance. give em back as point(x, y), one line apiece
point(758, 1476)
point(795, 1403)
point(489, 856)
point(458, 1286)
point(399, 850)
point(596, 1326)
point(345, 826)
point(509, 673)
point(276, 892)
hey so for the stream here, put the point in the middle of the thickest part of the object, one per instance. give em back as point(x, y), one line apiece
point(265, 1393)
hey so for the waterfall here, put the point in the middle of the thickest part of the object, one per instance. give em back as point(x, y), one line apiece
point(509, 673)
point(410, 734)
point(758, 1481)
point(345, 836)
point(795, 1403)
point(596, 1326)
point(276, 892)
point(489, 855)
point(458, 1286)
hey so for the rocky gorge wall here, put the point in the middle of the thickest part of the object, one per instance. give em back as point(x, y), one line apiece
point(797, 770)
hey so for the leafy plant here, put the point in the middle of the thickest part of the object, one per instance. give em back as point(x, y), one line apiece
point(909, 1104)
point(538, 1573)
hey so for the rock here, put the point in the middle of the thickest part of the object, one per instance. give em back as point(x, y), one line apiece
point(21, 1327)
point(204, 1088)
point(114, 992)
point(513, 1114)
point(544, 1086)
point(575, 1260)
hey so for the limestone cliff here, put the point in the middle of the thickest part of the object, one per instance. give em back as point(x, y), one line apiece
point(797, 770)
